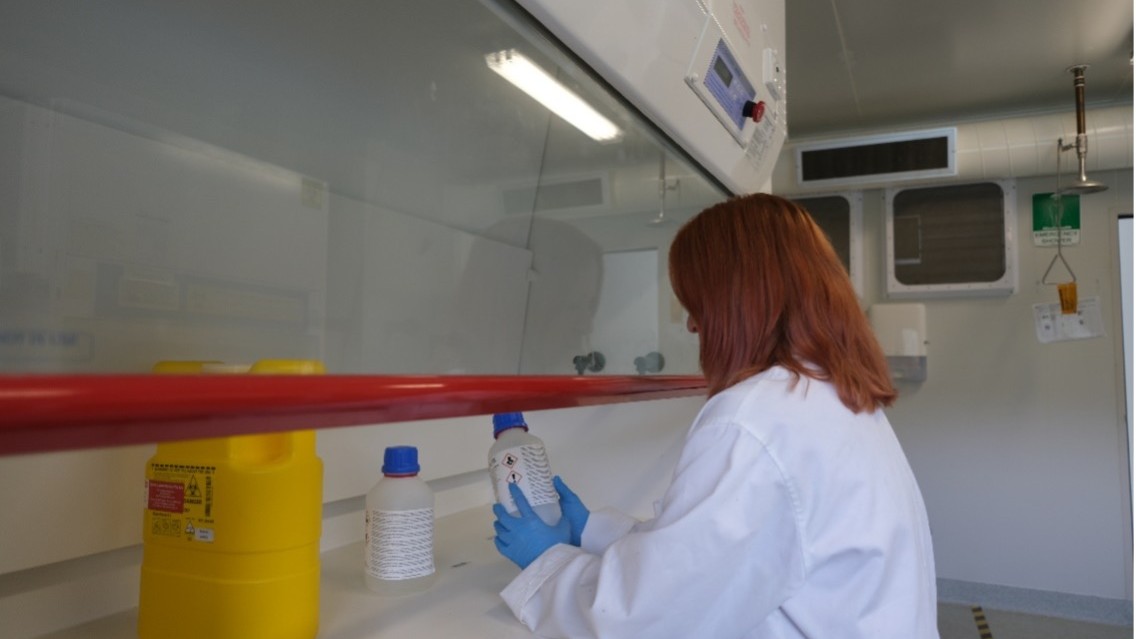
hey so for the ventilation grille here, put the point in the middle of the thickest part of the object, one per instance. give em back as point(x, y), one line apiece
point(914, 155)
point(588, 194)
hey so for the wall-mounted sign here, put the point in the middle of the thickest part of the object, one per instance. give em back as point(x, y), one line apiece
point(1045, 211)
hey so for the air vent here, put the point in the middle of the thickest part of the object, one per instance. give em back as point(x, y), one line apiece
point(901, 156)
point(582, 194)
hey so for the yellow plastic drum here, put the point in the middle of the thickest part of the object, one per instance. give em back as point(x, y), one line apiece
point(231, 531)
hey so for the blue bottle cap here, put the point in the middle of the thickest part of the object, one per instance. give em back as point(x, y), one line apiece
point(401, 460)
point(505, 421)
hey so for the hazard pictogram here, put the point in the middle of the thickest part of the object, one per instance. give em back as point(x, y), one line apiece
point(192, 490)
point(510, 460)
point(513, 477)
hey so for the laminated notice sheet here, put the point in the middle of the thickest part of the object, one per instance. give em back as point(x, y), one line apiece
point(1053, 326)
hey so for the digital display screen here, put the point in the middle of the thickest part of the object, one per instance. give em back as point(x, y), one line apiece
point(722, 84)
point(723, 71)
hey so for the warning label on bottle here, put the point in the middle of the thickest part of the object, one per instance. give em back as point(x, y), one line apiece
point(527, 466)
point(179, 501)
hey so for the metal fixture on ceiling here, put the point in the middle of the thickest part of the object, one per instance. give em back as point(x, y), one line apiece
point(1083, 184)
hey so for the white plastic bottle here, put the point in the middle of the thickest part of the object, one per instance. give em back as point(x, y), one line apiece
point(518, 457)
point(399, 537)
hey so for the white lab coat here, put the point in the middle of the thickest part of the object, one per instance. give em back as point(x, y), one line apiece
point(788, 516)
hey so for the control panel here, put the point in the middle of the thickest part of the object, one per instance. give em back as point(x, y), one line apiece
point(728, 84)
point(720, 82)
point(692, 73)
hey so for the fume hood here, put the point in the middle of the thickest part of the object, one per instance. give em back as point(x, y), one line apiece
point(363, 184)
point(404, 192)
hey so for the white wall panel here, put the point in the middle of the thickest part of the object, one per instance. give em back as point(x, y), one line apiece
point(1018, 446)
point(66, 505)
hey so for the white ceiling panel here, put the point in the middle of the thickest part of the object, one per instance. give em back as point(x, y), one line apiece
point(859, 64)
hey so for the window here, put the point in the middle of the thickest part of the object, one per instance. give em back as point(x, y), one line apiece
point(951, 240)
point(840, 216)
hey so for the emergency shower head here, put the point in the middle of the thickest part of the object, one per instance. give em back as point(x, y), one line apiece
point(1083, 184)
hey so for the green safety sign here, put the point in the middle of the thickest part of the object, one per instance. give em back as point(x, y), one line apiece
point(1046, 211)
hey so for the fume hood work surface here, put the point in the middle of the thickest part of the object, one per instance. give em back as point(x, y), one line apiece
point(462, 602)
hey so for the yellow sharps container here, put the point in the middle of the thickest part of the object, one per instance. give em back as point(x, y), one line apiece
point(231, 531)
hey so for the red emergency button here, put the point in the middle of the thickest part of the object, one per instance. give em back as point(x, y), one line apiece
point(754, 110)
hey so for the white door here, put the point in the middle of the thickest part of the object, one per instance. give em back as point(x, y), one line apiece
point(1126, 301)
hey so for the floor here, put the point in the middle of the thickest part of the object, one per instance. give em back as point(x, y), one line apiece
point(962, 622)
point(955, 622)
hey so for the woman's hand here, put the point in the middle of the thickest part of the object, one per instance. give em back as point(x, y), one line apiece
point(524, 537)
point(572, 509)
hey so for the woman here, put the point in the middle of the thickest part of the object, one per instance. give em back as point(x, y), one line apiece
point(792, 511)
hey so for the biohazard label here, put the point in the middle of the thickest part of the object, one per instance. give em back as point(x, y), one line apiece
point(399, 544)
point(527, 466)
point(180, 501)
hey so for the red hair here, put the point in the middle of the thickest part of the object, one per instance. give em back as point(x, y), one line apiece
point(765, 288)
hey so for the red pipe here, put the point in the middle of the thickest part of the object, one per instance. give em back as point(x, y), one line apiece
point(40, 413)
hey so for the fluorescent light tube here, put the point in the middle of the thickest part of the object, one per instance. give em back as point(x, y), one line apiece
point(543, 88)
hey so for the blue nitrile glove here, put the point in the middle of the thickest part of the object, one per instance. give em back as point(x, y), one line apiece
point(572, 509)
point(524, 537)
